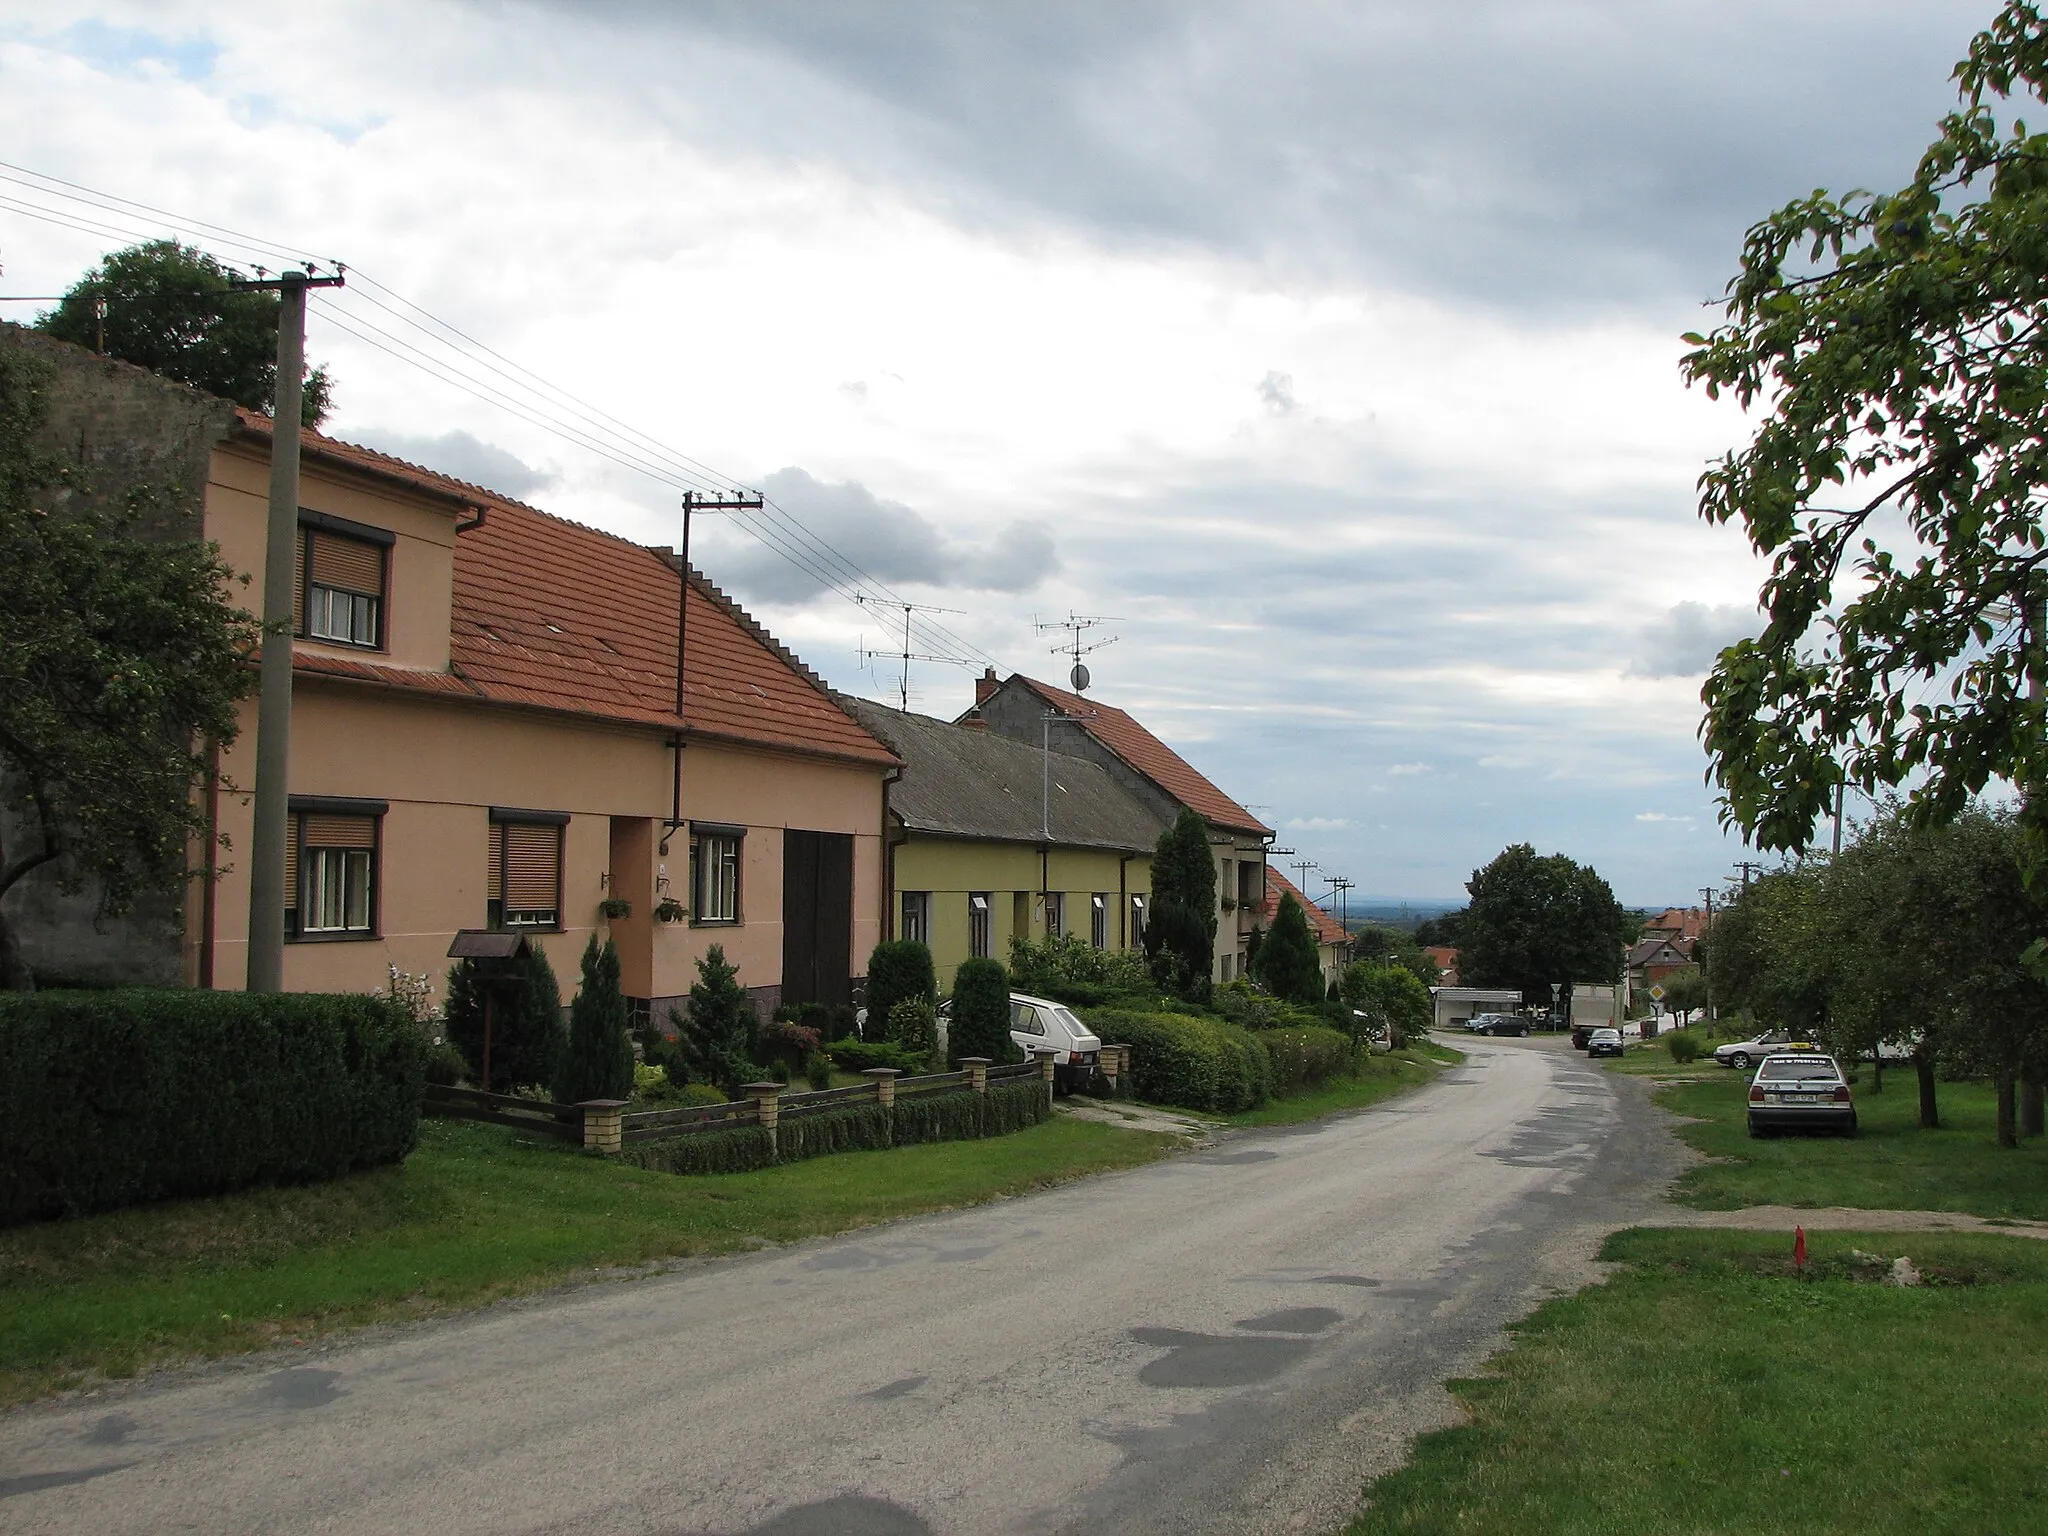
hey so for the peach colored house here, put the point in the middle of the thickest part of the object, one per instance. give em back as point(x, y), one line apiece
point(485, 729)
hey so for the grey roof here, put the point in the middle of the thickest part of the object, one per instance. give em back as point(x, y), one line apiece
point(962, 782)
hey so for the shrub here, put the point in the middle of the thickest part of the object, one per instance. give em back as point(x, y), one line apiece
point(740, 1149)
point(818, 1071)
point(1682, 1046)
point(1196, 1063)
point(789, 1043)
point(839, 1021)
point(717, 1036)
point(113, 1098)
point(1013, 1106)
point(845, 1128)
point(445, 1067)
point(914, 1028)
point(1069, 970)
point(702, 1093)
point(954, 1115)
point(1180, 934)
point(1306, 1058)
point(598, 1063)
point(981, 1013)
point(860, 1055)
point(1287, 961)
point(527, 1038)
point(897, 969)
point(1245, 1007)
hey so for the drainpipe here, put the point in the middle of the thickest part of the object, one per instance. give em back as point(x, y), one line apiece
point(889, 846)
point(209, 896)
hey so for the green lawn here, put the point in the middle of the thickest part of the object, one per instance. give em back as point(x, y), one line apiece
point(472, 1216)
point(1381, 1077)
point(1705, 1389)
point(1890, 1164)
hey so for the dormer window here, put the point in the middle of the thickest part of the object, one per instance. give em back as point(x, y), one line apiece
point(343, 569)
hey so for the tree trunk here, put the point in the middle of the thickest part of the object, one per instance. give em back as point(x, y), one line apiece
point(1877, 1070)
point(2008, 1123)
point(1930, 1111)
point(2033, 1091)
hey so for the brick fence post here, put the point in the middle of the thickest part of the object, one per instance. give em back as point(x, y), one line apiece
point(884, 1079)
point(767, 1099)
point(602, 1131)
point(1044, 1055)
point(1112, 1062)
point(977, 1072)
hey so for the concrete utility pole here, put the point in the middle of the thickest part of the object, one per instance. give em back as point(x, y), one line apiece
point(693, 501)
point(267, 895)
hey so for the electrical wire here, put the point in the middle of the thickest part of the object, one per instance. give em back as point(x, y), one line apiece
point(517, 390)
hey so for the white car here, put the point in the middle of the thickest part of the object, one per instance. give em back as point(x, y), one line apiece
point(1038, 1023)
point(1744, 1054)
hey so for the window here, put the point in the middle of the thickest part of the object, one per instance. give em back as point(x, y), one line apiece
point(978, 938)
point(1098, 920)
point(525, 888)
point(1137, 922)
point(330, 868)
point(715, 873)
point(341, 574)
point(1251, 884)
point(917, 917)
point(1055, 913)
point(1024, 1019)
point(1226, 966)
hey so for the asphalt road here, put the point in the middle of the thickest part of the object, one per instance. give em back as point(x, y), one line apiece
point(1233, 1340)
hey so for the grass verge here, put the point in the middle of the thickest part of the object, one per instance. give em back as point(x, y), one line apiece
point(471, 1217)
point(1891, 1164)
point(1704, 1388)
point(1381, 1077)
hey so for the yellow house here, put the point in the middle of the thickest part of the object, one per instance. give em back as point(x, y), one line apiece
point(990, 838)
point(486, 732)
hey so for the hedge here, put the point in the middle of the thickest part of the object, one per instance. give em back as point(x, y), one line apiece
point(113, 1098)
point(1307, 1057)
point(954, 1115)
point(1196, 1063)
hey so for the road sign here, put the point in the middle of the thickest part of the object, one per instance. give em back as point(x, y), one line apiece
point(1657, 993)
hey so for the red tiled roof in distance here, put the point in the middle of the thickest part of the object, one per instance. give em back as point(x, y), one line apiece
point(554, 615)
point(1325, 927)
point(1150, 756)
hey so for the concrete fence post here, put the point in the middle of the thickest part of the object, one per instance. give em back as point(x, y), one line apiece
point(977, 1072)
point(602, 1128)
point(884, 1079)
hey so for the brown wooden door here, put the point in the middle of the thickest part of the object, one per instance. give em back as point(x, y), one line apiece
point(817, 917)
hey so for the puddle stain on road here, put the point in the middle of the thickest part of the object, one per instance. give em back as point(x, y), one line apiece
point(850, 1514)
point(35, 1482)
point(901, 1388)
point(301, 1387)
point(1216, 1360)
point(1291, 1320)
point(114, 1429)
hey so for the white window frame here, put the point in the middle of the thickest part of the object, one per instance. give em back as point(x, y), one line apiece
point(980, 926)
point(717, 857)
point(339, 886)
point(1098, 920)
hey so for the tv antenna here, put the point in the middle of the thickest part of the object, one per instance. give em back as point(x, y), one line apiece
point(1075, 645)
point(906, 656)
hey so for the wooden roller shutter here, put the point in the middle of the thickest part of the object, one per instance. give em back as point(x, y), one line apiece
point(299, 582)
point(533, 867)
point(495, 889)
point(340, 832)
point(291, 862)
point(348, 564)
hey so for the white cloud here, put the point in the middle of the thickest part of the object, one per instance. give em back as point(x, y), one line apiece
point(1318, 823)
point(1663, 816)
point(1402, 769)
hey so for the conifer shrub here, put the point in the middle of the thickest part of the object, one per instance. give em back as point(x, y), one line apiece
point(844, 1128)
point(914, 1028)
point(716, 1037)
point(738, 1149)
point(897, 969)
point(598, 1061)
point(113, 1098)
point(981, 1014)
point(528, 1041)
point(950, 1116)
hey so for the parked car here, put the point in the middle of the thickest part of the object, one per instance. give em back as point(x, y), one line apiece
point(1497, 1024)
point(1744, 1054)
point(1037, 1023)
point(1604, 1042)
point(1582, 1035)
point(1800, 1091)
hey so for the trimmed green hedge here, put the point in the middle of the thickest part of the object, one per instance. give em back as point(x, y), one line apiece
point(1196, 1063)
point(1307, 1057)
point(850, 1128)
point(860, 1055)
point(114, 1098)
point(741, 1149)
point(1013, 1106)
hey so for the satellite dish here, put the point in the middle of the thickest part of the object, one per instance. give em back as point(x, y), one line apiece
point(1080, 677)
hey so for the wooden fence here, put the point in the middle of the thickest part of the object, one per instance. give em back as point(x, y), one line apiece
point(604, 1125)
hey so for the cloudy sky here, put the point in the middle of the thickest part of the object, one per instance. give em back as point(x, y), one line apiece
point(1329, 350)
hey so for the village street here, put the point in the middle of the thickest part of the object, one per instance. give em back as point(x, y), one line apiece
point(1232, 1340)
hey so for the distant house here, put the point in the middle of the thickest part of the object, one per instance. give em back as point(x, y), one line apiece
point(1333, 944)
point(1654, 957)
point(486, 732)
point(1445, 959)
point(989, 839)
point(1683, 926)
point(1036, 714)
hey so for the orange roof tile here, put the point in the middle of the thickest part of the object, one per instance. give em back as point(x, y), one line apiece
point(1326, 928)
point(554, 615)
point(1150, 756)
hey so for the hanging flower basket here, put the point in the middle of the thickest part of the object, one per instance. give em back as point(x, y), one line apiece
point(613, 907)
point(669, 910)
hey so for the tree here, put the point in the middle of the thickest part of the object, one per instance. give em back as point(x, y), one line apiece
point(121, 661)
point(1432, 931)
point(598, 1063)
point(1897, 344)
point(170, 308)
point(1538, 920)
point(717, 1035)
point(1685, 993)
point(1390, 946)
point(981, 1013)
point(527, 1041)
point(1389, 997)
point(897, 969)
point(1180, 931)
point(1287, 964)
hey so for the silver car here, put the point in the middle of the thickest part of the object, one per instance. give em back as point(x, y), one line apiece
point(1800, 1091)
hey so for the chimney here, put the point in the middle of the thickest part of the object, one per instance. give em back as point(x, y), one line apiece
point(985, 686)
point(974, 723)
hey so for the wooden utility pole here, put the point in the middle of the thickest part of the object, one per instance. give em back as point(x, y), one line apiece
point(267, 895)
point(1706, 965)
